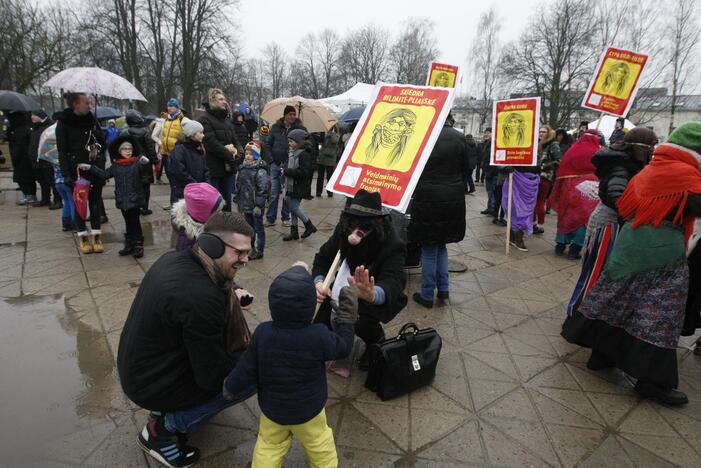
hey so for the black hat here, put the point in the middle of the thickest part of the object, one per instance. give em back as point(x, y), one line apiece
point(365, 204)
point(39, 113)
point(289, 109)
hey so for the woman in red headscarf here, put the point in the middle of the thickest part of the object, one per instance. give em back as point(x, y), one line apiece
point(575, 194)
point(633, 316)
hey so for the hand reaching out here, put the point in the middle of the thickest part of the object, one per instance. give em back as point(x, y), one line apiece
point(363, 283)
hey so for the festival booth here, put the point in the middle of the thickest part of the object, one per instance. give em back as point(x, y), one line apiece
point(359, 95)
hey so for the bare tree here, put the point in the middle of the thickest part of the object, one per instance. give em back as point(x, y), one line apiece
point(486, 52)
point(307, 58)
point(160, 46)
point(275, 68)
point(554, 59)
point(684, 39)
point(328, 54)
point(364, 55)
point(412, 52)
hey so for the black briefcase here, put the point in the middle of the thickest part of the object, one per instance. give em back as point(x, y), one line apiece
point(404, 363)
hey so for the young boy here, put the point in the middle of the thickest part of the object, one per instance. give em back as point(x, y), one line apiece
point(252, 187)
point(286, 361)
point(128, 190)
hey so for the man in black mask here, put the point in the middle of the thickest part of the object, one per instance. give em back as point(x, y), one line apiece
point(372, 263)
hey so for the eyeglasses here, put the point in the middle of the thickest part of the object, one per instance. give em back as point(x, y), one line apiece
point(239, 253)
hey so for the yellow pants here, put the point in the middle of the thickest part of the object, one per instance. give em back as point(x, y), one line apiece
point(274, 440)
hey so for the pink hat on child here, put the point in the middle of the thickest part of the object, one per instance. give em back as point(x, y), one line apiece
point(201, 200)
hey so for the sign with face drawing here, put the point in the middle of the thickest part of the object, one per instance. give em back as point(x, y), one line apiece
point(442, 75)
point(392, 142)
point(615, 82)
point(515, 132)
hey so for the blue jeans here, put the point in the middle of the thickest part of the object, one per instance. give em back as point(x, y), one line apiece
point(276, 189)
point(490, 183)
point(434, 270)
point(295, 211)
point(225, 186)
point(192, 419)
point(68, 204)
point(256, 223)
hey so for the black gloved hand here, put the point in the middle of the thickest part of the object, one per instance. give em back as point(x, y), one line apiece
point(347, 307)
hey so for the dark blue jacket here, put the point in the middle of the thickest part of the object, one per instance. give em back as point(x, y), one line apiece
point(286, 356)
point(186, 164)
point(252, 186)
point(128, 189)
point(276, 144)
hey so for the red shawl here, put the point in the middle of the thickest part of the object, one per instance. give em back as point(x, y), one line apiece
point(662, 188)
point(126, 161)
point(573, 198)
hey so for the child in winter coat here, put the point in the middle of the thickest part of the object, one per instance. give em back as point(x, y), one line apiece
point(298, 173)
point(187, 163)
point(189, 215)
point(286, 360)
point(252, 187)
point(126, 157)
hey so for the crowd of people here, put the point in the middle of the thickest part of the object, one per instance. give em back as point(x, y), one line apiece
point(626, 209)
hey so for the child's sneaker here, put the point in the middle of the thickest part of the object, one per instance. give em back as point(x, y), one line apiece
point(169, 450)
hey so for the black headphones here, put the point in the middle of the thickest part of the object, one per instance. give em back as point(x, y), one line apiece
point(211, 245)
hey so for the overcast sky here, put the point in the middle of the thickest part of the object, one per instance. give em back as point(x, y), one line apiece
point(287, 21)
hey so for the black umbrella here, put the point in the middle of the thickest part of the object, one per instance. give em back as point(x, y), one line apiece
point(106, 113)
point(12, 101)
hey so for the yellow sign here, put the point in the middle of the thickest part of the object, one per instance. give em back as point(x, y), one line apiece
point(394, 137)
point(617, 78)
point(515, 128)
point(442, 75)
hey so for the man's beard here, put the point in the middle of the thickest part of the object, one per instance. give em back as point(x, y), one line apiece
point(363, 253)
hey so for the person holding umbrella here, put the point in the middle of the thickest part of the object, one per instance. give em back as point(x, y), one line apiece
point(43, 172)
point(80, 140)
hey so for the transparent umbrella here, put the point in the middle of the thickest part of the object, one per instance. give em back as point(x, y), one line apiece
point(94, 80)
point(313, 114)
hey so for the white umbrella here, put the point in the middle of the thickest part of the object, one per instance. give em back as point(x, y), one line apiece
point(93, 80)
point(314, 115)
point(608, 125)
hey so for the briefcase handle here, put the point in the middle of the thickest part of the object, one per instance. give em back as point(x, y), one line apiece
point(405, 329)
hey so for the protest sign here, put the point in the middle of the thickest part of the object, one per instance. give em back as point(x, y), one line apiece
point(615, 83)
point(515, 132)
point(392, 142)
point(442, 75)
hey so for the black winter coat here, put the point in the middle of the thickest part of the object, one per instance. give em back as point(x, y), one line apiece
point(172, 351)
point(138, 129)
point(186, 164)
point(73, 133)
point(276, 144)
point(219, 132)
point(286, 358)
point(18, 132)
point(128, 189)
point(484, 151)
point(438, 203)
point(302, 175)
point(387, 267)
point(241, 132)
point(252, 186)
point(614, 170)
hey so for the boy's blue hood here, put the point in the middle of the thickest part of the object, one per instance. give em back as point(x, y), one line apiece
point(292, 297)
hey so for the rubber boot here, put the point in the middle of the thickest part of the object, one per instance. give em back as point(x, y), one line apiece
point(309, 229)
point(97, 246)
point(138, 248)
point(128, 246)
point(574, 253)
point(293, 235)
point(85, 245)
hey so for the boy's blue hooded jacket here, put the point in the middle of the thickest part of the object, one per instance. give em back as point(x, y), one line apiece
point(286, 357)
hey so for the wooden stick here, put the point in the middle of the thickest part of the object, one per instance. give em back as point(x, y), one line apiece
point(330, 276)
point(598, 122)
point(508, 214)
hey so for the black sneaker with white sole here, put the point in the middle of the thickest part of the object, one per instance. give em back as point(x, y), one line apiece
point(170, 451)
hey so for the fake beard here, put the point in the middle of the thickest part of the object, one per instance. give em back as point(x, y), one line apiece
point(361, 254)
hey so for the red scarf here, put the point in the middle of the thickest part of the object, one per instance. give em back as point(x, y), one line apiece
point(662, 187)
point(126, 161)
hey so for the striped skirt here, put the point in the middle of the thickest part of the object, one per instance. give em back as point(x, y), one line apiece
point(597, 250)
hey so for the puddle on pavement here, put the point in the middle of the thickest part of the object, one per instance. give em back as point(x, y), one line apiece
point(50, 366)
point(157, 232)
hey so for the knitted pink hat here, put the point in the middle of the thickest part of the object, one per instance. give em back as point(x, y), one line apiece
point(201, 200)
